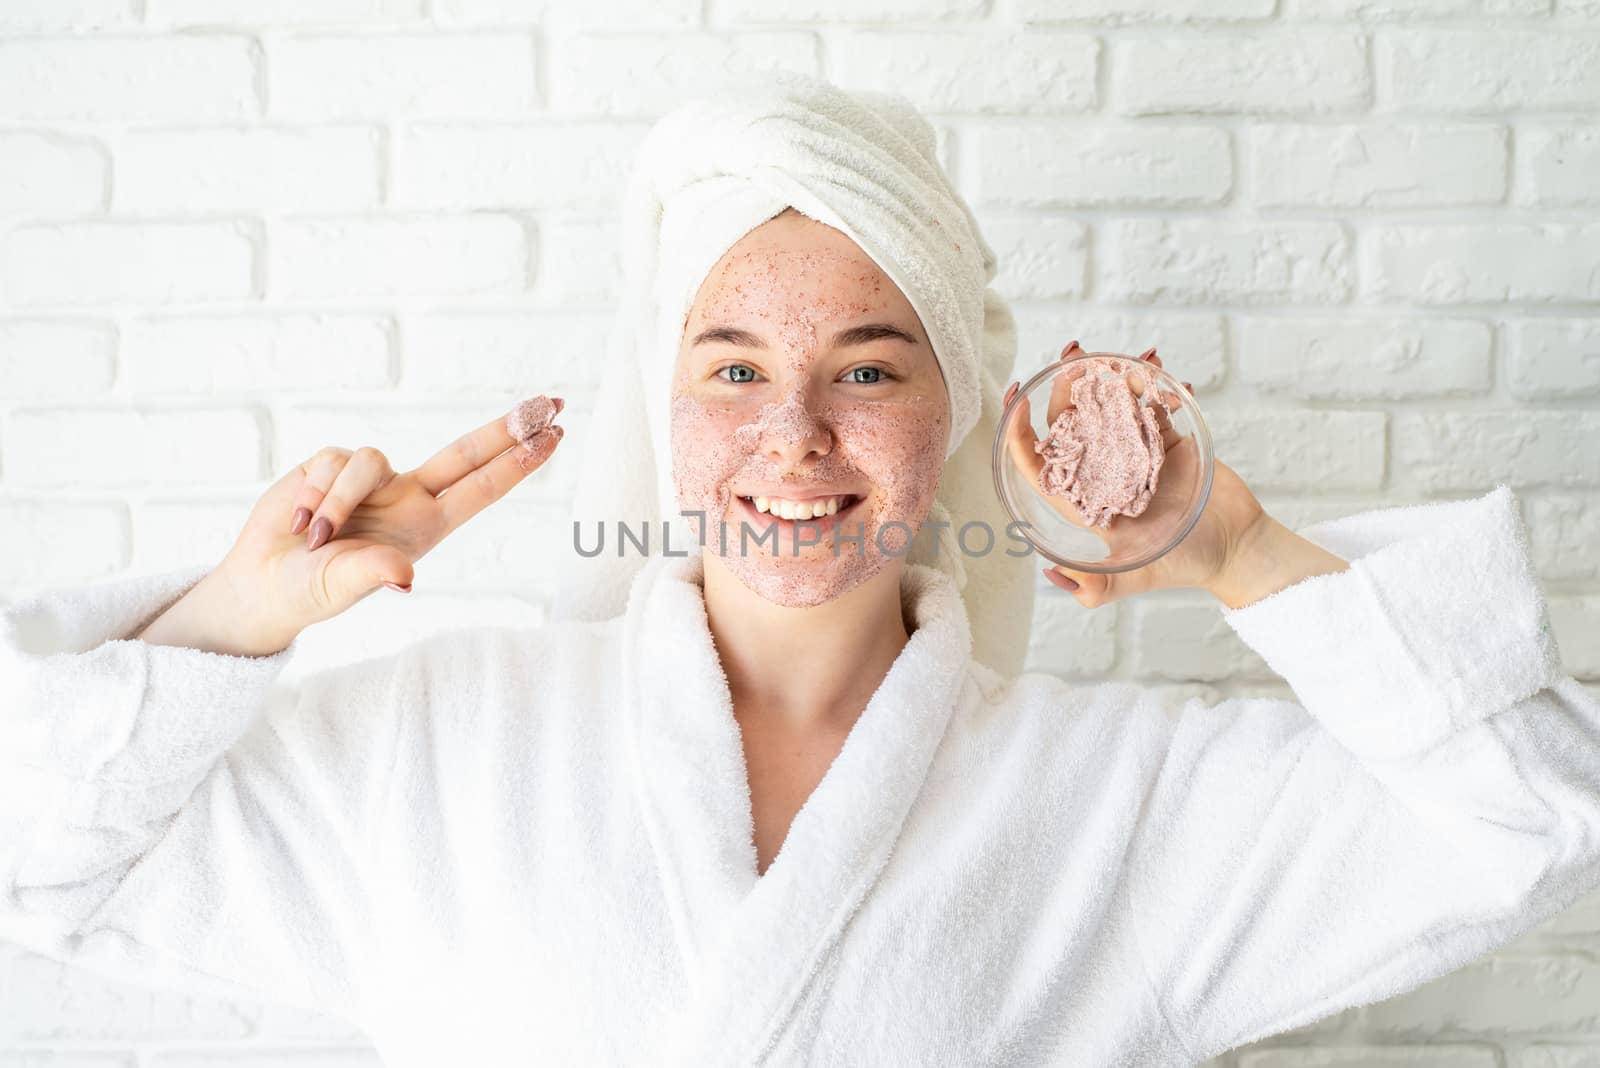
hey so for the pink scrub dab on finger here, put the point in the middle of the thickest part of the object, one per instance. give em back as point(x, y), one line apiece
point(532, 417)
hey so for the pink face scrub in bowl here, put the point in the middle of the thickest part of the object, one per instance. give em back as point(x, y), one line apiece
point(1102, 461)
point(1104, 452)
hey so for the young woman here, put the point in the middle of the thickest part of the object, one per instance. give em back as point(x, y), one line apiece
point(776, 809)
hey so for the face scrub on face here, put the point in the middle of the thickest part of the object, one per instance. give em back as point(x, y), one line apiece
point(884, 441)
point(1103, 453)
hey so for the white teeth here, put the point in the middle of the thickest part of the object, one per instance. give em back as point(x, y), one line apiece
point(799, 509)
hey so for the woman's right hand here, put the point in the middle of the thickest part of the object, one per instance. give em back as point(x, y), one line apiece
point(369, 525)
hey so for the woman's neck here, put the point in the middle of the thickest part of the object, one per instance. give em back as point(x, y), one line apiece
point(810, 669)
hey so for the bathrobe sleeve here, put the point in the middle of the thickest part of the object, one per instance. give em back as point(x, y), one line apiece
point(170, 817)
point(1435, 793)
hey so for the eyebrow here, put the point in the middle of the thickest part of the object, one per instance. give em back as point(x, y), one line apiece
point(855, 335)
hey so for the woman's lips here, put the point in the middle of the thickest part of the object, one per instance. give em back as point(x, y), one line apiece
point(790, 528)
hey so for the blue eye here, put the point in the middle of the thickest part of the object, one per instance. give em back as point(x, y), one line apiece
point(737, 367)
point(738, 372)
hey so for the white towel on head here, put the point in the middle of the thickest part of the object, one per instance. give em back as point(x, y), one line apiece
point(865, 163)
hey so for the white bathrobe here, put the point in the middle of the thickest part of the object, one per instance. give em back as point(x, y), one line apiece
point(526, 846)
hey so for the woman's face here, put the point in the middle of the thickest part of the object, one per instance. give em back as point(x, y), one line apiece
point(780, 392)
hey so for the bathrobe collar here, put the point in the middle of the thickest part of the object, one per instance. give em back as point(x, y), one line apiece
point(750, 944)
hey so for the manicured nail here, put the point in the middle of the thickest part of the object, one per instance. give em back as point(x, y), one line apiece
point(319, 533)
point(1060, 580)
point(1070, 346)
point(1147, 354)
point(302, 516)
point(396, 586)
point(1011, 391)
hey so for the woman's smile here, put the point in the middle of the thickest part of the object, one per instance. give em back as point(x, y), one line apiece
point(747, 510)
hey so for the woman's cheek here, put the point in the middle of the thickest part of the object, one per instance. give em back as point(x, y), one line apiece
point(707, 450)
point(901, 449)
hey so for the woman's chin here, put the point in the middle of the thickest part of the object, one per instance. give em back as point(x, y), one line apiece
point(798, 587)
point(805, 578)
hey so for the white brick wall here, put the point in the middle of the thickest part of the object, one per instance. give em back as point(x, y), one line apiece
point(232, 231)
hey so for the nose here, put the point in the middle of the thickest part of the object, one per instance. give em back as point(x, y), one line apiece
point(792, 432)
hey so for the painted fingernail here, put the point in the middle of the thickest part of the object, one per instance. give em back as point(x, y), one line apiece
point(1147, 354)
point(396, 586)
point(1011, 391)
point(1073, 344)
point(1060, 580)
point(302, 516)
point(319, 534)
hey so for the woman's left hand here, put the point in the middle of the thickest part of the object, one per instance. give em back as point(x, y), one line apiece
point(1199, 561)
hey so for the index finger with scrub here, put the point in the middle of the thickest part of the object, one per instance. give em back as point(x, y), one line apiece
point(496, 456)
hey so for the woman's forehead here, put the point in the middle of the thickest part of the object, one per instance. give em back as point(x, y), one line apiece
point(793, 264)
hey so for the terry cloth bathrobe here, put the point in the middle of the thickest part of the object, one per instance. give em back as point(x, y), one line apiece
point(514, 846)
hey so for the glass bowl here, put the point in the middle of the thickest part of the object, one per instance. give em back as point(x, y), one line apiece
point(1050, 522)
